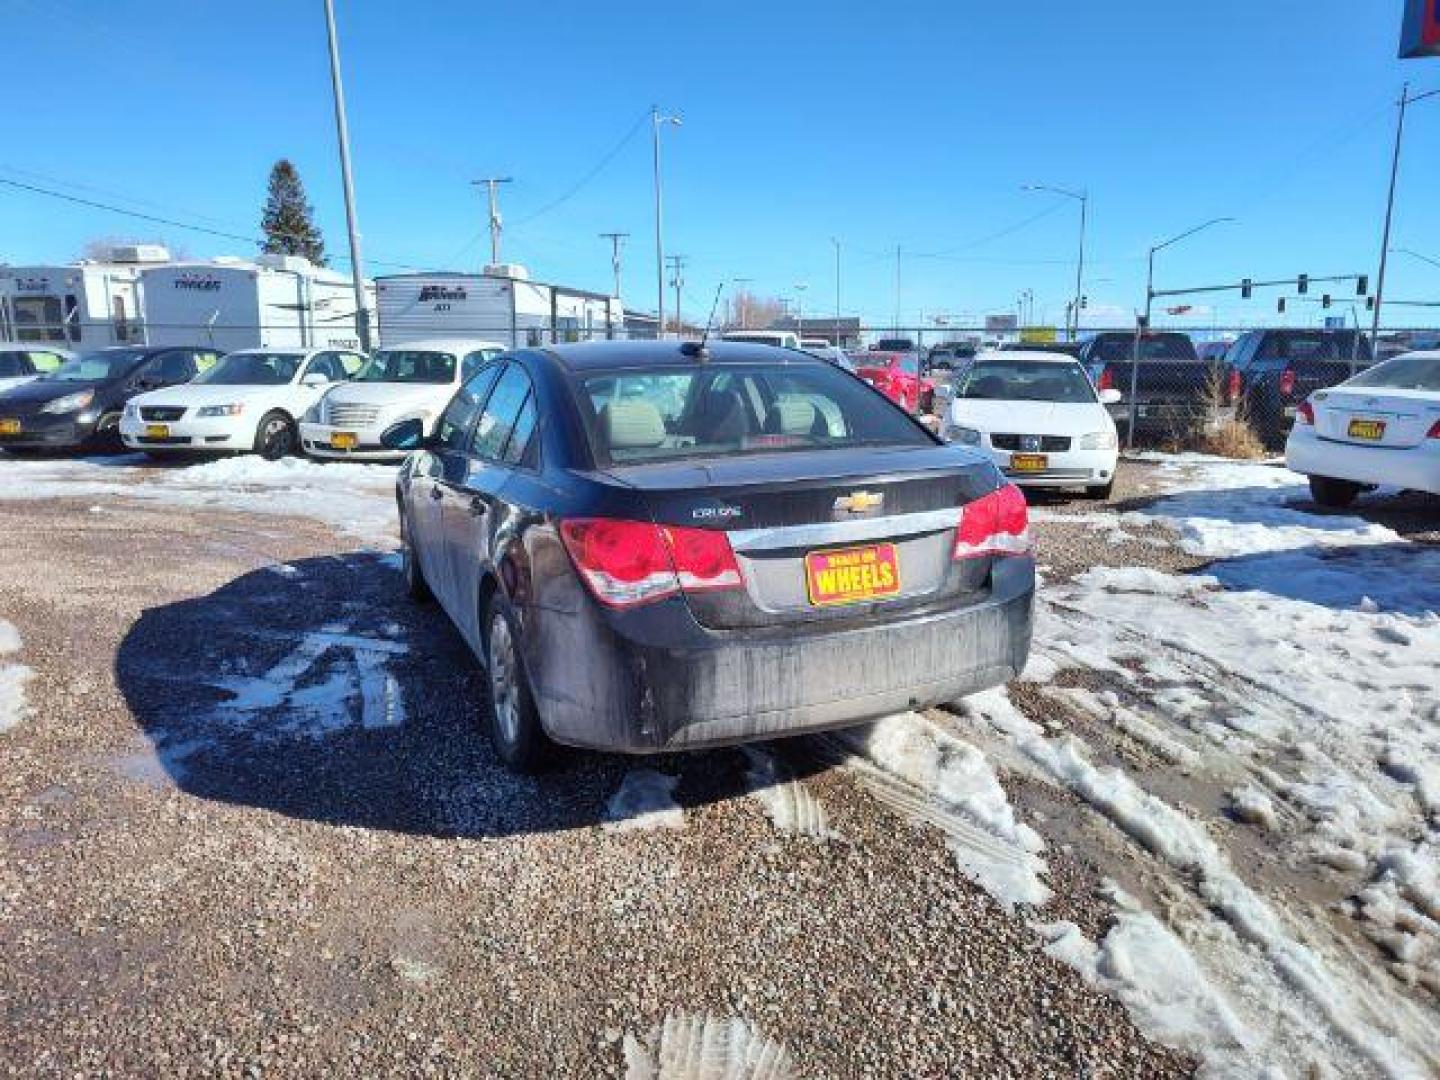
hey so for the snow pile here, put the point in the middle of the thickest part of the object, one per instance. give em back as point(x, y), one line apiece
point(791, 806)
point(644, 800)
point(940, 780)
point(13, 677)
point(355, 498)
point(689, 1046)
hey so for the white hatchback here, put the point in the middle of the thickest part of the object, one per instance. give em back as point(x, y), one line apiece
point(1040, 419)
point(249, 401)
point(1381, 427)
point(408, 382)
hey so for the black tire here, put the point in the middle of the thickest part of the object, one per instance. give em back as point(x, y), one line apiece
point(416, 587)
point(275, 436)
point(106, 438)
point(1333, 494)
point(511, 716)
point(1100, 492)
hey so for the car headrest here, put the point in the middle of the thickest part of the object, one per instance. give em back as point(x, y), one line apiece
point(631, 425)
point(793, 416)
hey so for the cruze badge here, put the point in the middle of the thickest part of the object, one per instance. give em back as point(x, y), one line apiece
point(715, 513)
point(859, 502)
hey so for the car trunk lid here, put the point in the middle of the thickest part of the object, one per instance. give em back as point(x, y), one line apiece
point(1393, 418)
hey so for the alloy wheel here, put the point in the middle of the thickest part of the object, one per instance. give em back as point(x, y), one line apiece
point(504, 673)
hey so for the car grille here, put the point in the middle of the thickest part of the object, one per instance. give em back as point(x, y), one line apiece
point(359, 416)
point(161, 412)
point(1049, 444)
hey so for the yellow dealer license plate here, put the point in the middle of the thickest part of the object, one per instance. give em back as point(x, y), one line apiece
point(157, 431)
point(852, 575)
point(9, 427)
point(344, 440)
point(1367, 429)
point(1029, 462)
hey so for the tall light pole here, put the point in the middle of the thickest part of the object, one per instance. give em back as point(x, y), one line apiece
point(897, 290)
point(677, 266)
point(617, 242)
point(742, 295)
point(1405, 102)
point(1144, 324)
point(836, 242)
point(342, 136)
point(800, 305)
point(656, 121)
point(496, 226)
point(1083, 198)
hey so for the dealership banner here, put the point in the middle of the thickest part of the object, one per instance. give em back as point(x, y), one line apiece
point(1421, 33)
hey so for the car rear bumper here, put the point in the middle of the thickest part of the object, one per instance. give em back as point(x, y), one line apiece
point(610, 692)
point(315, 440)
point(1416, 468)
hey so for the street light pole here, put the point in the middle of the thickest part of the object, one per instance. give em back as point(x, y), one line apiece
point(655, 121)
point(742, 300)
point(1144, 324)
point(1083, 198)
point(836, 242)
point(1405, 102)
point(800, 305)
point(342, 135)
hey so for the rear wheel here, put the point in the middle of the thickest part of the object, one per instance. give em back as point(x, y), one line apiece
point(514, 722)
point(1336, 494)
point(275, 437)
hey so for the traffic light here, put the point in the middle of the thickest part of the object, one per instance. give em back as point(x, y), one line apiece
point(1303, 285)
point(1362, 285)
point(1247, 289)
point(1325, 300)
point(1280, 305)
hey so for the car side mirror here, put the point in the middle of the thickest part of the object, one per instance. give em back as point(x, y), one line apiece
point(314, 378)
point(1111, 397)
point(406, 435)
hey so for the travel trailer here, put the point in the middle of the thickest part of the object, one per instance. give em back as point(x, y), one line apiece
point(85, 305)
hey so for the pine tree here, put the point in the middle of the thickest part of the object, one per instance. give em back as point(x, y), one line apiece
point(288, 224)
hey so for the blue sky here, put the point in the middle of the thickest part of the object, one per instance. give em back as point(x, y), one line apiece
point(913, 124)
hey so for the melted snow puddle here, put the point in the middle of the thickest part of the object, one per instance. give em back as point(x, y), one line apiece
point(691, 1046)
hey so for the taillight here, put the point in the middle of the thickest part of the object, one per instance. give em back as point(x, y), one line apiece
point(1234, 387)
point(625, 563)
point(1287, 381)
point(1434, 432)
point(995, 524)
point(1305, 413)
point(1107, 380)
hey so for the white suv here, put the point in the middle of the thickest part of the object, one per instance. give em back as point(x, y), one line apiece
point(248, 401)
point(411, 381)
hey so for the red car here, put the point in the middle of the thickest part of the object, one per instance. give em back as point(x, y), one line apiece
point(898, 377)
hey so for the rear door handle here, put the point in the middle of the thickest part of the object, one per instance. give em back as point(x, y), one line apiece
point(479, 506)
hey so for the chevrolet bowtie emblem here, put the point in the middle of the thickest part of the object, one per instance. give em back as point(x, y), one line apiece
point(859, 502)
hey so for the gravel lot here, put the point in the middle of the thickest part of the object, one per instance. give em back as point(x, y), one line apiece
point(198, 878)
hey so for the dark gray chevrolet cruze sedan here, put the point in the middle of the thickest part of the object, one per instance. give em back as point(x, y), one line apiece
point(655, 546)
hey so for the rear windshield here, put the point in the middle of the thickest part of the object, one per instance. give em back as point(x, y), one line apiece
point(1319, 347)
point(252, 369)
point(1413, 372)
point(408, 366)
point(646, 416)
point(1121, 350)
point(1027, 380)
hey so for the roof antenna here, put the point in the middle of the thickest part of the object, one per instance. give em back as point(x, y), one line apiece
point(697, 348)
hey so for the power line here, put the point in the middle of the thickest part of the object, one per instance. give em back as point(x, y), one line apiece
point(599, 167)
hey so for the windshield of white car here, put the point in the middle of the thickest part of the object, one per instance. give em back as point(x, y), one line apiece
point(1020, 380)
point(736, 410)
point(96, 366)
point(1413, 372)
point(252, 369)
point(407, 366)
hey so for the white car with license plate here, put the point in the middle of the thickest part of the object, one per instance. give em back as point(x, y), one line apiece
point(414, 381)
point(248, 402)
point(1379, 428)
point(1040, 419)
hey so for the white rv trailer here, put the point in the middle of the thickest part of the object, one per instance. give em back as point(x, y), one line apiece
point(502, 304)
point(275, 301)
point(84, 305)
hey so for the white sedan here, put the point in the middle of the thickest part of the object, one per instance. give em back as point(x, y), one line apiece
point(249, 401)
point(1381, 427)
point(408, 382)
point(1040, 419)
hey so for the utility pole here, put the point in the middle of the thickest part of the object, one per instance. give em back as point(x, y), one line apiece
point(800, 304)
point(342, 136)
point(492, 183)
point(656, 121)
point(677, 279)
point(1405, 102)
point(836, 242)
point(742, 296)
point(617, 241)
point(897, 290)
